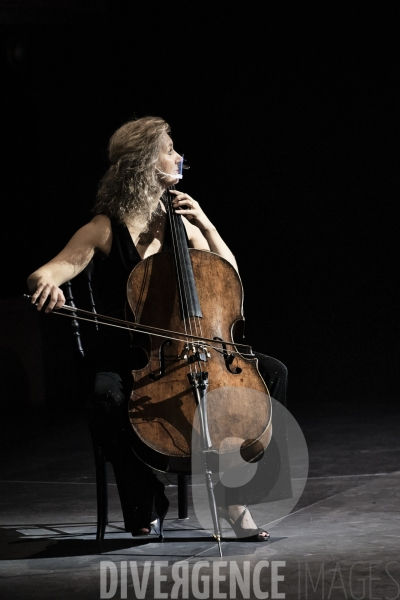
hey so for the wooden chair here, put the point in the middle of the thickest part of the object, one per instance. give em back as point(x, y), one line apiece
point(99, 457)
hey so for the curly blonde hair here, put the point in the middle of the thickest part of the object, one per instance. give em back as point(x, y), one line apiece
point(131, 186)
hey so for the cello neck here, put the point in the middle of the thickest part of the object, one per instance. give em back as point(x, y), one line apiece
point(188, 297)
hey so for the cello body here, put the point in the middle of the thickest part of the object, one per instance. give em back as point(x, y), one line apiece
point(162, 406)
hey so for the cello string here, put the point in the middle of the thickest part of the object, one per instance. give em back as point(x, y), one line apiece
point(178, 261)
point(179, 228)
point(194, 320)
point(174, 237)
point(189, 298)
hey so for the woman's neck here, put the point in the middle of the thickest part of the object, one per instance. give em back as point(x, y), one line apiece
point(141, 226)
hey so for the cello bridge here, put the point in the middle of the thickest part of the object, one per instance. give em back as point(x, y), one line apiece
point(194, 353)
point(184, 354)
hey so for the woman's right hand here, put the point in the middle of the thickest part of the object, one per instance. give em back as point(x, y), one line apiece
point(44, 283)
point(45, 291)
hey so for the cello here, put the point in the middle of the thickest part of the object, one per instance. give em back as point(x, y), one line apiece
point(196, 392)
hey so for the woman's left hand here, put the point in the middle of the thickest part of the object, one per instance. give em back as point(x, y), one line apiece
point(204, 235)
point(186, 205)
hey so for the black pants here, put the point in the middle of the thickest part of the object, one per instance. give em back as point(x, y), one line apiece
point(137, 485)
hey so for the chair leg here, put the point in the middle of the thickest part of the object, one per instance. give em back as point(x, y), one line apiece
point(101, 490)
point(183, 488)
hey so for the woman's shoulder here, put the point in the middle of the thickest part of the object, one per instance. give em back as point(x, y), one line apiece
point(99, 230)
point(101, 220)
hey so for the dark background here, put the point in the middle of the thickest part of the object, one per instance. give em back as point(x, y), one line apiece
point(287, 116)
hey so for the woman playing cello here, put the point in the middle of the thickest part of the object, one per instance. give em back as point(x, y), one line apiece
point(131, 224)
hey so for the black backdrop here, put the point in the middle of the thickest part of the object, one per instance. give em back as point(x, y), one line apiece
point(288, 118)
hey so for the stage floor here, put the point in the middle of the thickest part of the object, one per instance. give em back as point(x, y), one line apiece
point(342, 539)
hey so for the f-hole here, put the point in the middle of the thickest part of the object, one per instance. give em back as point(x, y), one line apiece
point(228, 358)
point(161, 358)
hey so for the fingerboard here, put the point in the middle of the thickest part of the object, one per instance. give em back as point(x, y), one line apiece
point(188, 298)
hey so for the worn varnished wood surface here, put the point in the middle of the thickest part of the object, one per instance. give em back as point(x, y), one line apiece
point(163, 412)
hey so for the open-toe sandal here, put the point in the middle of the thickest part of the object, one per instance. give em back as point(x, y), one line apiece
point(243, 533)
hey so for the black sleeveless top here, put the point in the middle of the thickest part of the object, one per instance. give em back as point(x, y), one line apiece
point(115, 349)
point(112, 272)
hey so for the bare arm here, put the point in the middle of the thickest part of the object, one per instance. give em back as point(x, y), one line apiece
point(45, 282)
point(201, 232)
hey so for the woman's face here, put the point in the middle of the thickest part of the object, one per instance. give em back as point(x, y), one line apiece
point(168, 162)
